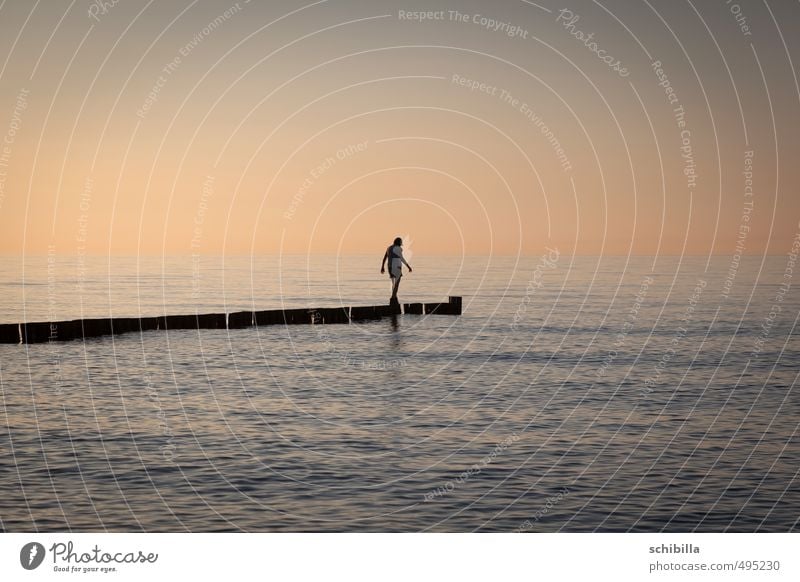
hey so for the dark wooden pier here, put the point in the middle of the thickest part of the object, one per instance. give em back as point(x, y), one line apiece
point(50, 331)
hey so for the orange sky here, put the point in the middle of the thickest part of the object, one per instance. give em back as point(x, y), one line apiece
point(220, 127)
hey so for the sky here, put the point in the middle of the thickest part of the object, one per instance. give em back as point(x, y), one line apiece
point(215, 127)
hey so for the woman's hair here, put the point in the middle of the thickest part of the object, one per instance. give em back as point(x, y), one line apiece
point(398, 241)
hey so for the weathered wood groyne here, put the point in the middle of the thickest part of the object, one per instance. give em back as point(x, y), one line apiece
point(51, 331)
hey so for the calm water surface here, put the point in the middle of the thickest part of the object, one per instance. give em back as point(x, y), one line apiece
point(574, 394)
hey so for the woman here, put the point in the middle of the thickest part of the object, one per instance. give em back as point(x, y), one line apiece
point(396, 261)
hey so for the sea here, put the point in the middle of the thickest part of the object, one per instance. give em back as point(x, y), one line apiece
point(574, 393)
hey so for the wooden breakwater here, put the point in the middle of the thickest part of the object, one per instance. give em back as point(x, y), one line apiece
point(50, 331)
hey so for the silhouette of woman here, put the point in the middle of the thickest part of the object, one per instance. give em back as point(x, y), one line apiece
point(394, 254)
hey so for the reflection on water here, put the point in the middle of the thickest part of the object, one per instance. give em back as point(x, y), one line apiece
point(569, 400)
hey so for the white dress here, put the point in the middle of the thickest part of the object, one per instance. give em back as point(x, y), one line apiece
point(396, 261)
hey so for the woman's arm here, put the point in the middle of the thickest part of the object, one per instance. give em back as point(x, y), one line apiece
point(405, 262)
point(383, 262)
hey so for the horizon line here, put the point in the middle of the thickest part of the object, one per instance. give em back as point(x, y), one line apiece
point(365, 253)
